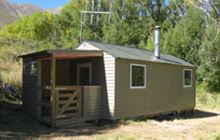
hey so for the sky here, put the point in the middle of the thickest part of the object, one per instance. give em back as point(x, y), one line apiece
point(45, 4)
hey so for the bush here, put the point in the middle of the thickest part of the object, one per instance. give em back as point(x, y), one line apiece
point(207, 99)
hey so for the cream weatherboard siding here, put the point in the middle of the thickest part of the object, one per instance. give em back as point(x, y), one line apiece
point(108, 95)
point(86, 46)
point(92, 102)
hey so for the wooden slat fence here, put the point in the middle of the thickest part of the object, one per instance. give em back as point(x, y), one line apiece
point(67, 104)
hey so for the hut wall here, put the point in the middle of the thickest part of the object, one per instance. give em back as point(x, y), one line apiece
point(164, 90)
point(29, 96)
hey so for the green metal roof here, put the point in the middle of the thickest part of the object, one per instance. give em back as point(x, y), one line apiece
point(137, 54)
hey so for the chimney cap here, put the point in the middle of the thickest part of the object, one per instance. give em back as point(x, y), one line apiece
point(157, 27)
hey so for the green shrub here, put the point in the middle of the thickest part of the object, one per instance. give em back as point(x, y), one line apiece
point(207, 99)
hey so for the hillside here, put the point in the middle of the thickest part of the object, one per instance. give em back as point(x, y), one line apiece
point(190, 34)
point(10, 12)
point(55, 11)
point(190, 30)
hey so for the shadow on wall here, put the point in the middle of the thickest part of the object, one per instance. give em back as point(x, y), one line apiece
point(105, 99)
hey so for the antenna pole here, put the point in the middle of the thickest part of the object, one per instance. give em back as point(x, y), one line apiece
point(92, 13)
point(91, 20)
point(81, 27)
point(97, 17)
point(95, 12)
point(110, 10)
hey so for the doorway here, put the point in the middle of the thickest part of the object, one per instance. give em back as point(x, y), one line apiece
point(84, 74)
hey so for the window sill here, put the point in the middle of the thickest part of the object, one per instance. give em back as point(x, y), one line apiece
point(187, 86)
point(137, 87)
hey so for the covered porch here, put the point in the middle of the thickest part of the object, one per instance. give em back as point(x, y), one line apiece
point(70, 86)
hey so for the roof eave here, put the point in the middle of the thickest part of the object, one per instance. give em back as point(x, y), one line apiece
point(157, 62)
point(44, 52)
point(63, 53)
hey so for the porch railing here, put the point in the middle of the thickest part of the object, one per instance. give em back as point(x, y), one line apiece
point(67, 103)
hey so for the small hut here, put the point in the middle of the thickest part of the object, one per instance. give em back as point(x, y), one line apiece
point(103, 81)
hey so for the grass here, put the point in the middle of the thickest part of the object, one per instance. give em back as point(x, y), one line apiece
point(15, 124)
point(215, 135)
point(11, 72)
point(119, 137)
point(133, 121)
point(205, 99)
point(10, 64)
point(212, 136)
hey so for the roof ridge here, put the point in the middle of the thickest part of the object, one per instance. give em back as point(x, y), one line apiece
point(127, 45)
point(127, 52)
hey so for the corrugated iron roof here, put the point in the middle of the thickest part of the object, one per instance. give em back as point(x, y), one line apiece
point(137, 54)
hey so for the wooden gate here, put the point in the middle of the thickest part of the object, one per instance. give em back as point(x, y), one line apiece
point(68, 102)
point(67, 105)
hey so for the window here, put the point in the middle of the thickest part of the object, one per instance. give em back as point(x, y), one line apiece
point(33, 68)
point(187, 78)
point(30, 68)
point(137, 76)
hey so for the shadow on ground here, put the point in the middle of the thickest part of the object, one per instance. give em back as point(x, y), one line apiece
point(15, 124)
point(203, 114)
point(196, 114)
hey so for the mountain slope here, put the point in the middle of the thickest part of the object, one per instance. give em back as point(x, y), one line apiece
point(26, 9)
point(10, 12)
point(55, 11)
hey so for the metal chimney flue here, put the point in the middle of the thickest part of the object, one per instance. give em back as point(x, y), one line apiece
point(157, 42)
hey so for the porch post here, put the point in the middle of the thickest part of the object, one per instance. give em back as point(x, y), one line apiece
point(53, 91)
point(39, 92)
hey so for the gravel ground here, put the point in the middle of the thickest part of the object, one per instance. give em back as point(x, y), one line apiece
point(204, 124)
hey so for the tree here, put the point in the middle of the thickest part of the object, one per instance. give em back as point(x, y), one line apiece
point(133, 22)
point(36, 27)
point(184, 40)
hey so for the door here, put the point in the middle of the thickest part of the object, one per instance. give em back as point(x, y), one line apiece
point(84, 74)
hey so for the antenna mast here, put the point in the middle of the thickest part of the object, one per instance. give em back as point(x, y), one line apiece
point(96, 4)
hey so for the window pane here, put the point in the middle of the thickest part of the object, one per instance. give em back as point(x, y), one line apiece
point(138, 76)
point(84, 76)
point(33, 69)
point(187, 78)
